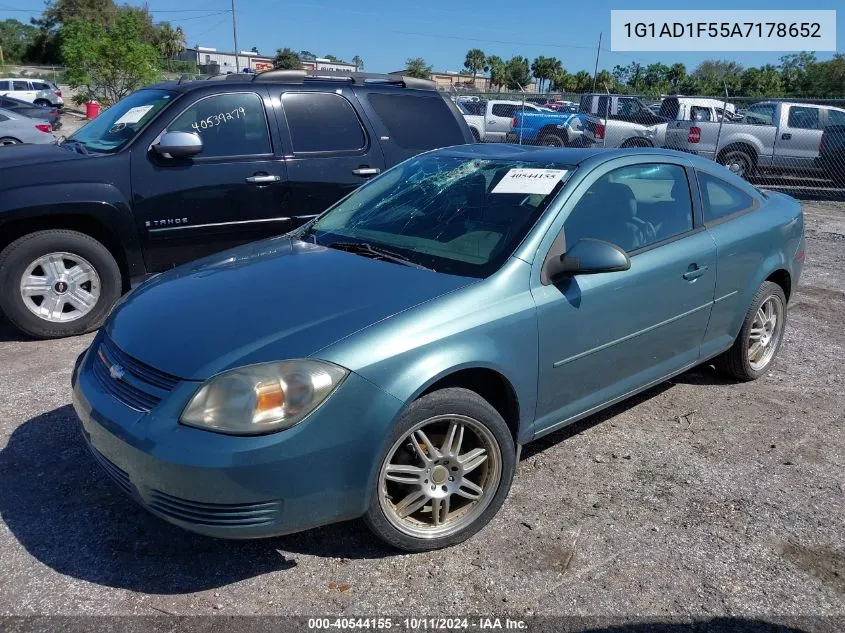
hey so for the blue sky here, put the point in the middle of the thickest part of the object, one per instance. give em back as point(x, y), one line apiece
point(385, 34)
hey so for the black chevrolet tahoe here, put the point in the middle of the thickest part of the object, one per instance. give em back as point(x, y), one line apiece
point(180, 170)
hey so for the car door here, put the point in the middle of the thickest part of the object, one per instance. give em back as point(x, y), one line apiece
point(329, 148)
point(797, 144)
point(500, 120)
point(604, 336)
point(230, 193)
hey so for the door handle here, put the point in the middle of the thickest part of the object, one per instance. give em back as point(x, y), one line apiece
point(694, 272)
point(366, 171)
point(786, 136)
point(260, 179)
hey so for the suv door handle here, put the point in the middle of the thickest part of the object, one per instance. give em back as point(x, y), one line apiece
point(786, 136)
point(695, 271)
point(260, 179)
point(366, 171)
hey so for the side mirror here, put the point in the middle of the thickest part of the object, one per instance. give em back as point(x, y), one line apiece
point(178, 145)
point(588, 256)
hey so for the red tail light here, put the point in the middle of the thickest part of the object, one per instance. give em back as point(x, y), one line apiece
point(694, 135)
point(58, 93)
point(44, 127)
point(599, 131)
point(516, 121)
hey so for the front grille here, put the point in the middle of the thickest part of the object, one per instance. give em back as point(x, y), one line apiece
point(135, 384)
point(216, 514)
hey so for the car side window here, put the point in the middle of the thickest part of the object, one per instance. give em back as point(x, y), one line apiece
point(633, 207)
point(803, 118)
point(760, 114)
point(39, 86)
point(402, 114)
point(5, 85)
point(322, 122)
point(504, 110)
point(721, 199)
point(20, 85)
point(232, 124)
point(697, 113)
point(835, 117)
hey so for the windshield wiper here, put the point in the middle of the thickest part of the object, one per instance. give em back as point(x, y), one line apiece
point(368, 250)
point(78, 145)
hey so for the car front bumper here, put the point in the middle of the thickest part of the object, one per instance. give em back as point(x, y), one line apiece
point(318, 472)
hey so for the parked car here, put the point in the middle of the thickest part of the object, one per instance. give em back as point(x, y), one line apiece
point(554, 129)
point(592, 275)
point(17, 129)
point(35, 91)
point(24, 108)
point(621, 121)
point(831, 158)
point(495, 120)
point(183, 169)
point(773, 136)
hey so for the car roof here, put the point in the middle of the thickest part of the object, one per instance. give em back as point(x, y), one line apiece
point(566, 155)
point(298, 77)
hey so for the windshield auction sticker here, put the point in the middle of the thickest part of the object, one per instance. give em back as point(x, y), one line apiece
point(529, 181)
point(685, 30)
point(133, 115)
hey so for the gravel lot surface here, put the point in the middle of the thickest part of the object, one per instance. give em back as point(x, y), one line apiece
point(701, 497)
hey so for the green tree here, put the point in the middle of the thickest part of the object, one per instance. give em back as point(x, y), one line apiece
point(475, 62)
point(286, 59)
point(714, 74)
point(605, 81)
point(656, 78)
point(794, 69)
point(169, 41)
point(497, 71)
point(677, 73)
point(761, 82)
point(562, 81)
point(517, 73)
point(107, 62)
point(45, 47)
point(331, 58)
point(417, 67)
point(359, 63)
point(582, 81)
point(16, 38)
point(827, 78)
point(254, 49)
point(545, 69)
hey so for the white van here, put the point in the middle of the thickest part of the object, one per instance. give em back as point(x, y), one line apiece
point(37, 91)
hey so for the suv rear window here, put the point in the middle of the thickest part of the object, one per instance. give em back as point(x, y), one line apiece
point(417, 122)
point(322, 122)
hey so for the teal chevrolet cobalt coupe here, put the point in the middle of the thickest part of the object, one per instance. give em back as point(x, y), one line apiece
point(388, 359)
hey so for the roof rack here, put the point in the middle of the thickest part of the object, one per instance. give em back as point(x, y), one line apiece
point(302, 76)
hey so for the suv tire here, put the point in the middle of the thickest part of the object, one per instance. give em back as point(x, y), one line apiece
point(74, 282)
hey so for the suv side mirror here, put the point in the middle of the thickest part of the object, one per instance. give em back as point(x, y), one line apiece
point(588, 256)
point(178, 145)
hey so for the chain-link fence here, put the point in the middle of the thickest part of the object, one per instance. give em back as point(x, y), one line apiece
point(797, 145)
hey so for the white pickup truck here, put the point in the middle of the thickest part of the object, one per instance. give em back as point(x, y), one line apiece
point(490, 121)
point(775, 136)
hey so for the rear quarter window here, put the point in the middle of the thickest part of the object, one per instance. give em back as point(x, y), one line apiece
point(721, 199)
point(322, 122)
point(417, 122)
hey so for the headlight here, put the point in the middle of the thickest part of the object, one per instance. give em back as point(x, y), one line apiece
point(262, 398)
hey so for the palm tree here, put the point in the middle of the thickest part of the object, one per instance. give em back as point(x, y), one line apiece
point(170, 41)
point(497, 71)
point(583, 81)
point(474, 62)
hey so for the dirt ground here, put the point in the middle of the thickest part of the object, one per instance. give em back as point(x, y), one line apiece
point(701, 497)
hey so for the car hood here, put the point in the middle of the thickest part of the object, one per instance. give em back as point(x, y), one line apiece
point(24, 154)
point(270, 300)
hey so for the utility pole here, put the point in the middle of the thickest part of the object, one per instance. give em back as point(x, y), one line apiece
point(235, 35)
point(596, 71)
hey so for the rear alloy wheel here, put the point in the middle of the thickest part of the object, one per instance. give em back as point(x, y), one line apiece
point(739, 162)
point(57, 283)
point(761, 335)
point(446, 473)
point(552, 140)
point(8, 140)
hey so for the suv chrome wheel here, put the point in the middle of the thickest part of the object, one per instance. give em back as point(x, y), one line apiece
point(440, 476)
point(60, 287)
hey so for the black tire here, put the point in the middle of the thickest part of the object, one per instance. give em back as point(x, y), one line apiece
point(735, 361)
point(451, 401)
point(21, 253)
point(552, 139)
point(739, 162)
point(8, 140)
